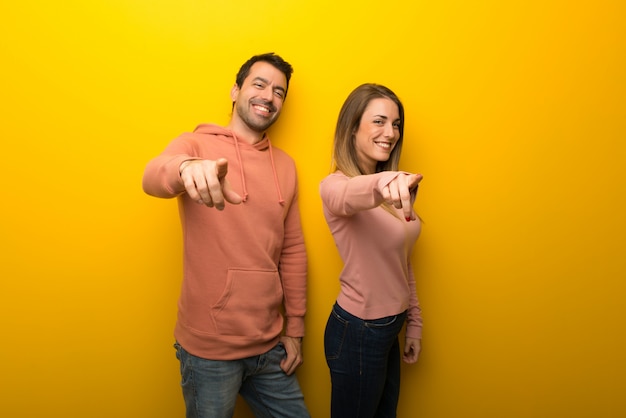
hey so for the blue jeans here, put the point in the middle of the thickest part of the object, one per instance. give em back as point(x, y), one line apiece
point(364, 361)
point(210, 387)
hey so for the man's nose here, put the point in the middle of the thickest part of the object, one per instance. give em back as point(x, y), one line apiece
point(267, 94)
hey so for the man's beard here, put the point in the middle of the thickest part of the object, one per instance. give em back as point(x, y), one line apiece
point(257, 124)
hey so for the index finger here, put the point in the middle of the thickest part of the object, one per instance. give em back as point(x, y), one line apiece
point(406, 198)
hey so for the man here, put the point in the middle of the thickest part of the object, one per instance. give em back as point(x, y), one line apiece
point(244, 255)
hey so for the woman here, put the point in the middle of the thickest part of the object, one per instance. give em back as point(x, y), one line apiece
point(368, 205)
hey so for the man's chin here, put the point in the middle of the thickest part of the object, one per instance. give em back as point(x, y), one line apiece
point(261, 127)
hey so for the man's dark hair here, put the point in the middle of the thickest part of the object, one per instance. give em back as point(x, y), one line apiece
point(270, 58)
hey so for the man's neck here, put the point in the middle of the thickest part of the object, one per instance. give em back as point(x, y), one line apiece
point(244, 133)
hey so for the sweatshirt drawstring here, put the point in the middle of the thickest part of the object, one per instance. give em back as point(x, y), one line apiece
point(280, 196)
point(243, 177)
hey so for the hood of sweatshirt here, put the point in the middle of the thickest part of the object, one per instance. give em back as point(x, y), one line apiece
point(262, 145)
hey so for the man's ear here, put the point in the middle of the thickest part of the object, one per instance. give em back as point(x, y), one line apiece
point(234, 92)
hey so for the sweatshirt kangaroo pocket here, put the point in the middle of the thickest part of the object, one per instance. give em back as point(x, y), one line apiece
point(250, 304)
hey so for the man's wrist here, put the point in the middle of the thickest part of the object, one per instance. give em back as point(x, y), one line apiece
point(295, 338)
point(183, 165)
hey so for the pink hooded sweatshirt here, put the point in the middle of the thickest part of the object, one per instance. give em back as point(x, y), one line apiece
point(243, 266)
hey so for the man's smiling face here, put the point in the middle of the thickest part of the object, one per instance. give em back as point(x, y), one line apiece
point(260, 99)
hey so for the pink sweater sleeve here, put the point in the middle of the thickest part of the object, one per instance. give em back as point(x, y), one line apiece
point(345, 196)
point(414, 316)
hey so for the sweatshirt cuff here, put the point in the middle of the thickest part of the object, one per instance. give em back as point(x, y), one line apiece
point(174, 182)
point(414, 331)
point(295, 326)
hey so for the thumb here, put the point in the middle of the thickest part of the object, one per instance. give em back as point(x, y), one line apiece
point(415, 180)
point(221, 168)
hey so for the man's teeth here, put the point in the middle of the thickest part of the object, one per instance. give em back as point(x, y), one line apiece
point(263, 108)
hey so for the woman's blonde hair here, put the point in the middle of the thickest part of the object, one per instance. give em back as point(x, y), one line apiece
point(344, 151)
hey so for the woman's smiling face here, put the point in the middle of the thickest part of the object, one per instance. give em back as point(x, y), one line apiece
point(378, 133)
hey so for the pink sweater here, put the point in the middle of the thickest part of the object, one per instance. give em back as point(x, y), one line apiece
point(240, 264)
point(377, 278)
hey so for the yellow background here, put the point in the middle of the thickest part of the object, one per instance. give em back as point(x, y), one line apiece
point(516, 117)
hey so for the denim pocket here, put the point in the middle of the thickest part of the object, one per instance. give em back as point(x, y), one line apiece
point(381, 322)
point(185, 365)
point(334, 335)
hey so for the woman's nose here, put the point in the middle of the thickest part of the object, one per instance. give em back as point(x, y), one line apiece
point(389, 130)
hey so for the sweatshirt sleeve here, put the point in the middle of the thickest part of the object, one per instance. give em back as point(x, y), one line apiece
point(161, 177)
point(293, 271)
point(414, 315)
point(344, 196)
